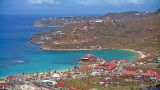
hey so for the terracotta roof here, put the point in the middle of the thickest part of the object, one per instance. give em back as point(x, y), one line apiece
point(130, 73)
point(122, 61)
point(107, 66)
point(151, 71)
point(59, 84)
point(158, 75)
point(11, 77)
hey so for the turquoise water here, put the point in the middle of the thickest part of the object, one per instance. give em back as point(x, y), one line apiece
point(18, 55)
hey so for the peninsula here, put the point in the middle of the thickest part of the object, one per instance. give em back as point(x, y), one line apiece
point(122, 30)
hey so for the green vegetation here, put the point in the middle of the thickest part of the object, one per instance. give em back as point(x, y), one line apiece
point(120, 30)
point(92, 82)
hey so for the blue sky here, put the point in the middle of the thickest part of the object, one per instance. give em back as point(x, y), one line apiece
point(73, 7)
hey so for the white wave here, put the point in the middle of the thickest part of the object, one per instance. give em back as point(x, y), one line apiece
point(19, 61)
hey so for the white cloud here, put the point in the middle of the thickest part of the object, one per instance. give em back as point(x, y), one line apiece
point(41, 2)
point(91, 2)
point(108, 2)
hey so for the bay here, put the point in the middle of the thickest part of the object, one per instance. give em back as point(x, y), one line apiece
point(18, 55)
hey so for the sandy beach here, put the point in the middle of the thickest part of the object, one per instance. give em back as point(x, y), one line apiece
point(142, 55)
point(68, 49)
point(80, 49)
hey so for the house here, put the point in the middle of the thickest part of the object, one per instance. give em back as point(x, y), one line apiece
point(60, 84)
point(107, 66)
point(106, 80)
point(45, 38)
point(85, 28)
point(88, 58)
point(3, 86)
point(110, 65)
point(158, 60)
point(59, 33)
point(99, 21)
point(56, 76)
point(91, 22)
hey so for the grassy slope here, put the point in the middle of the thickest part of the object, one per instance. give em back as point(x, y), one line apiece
point(134, 33)
point(92, 82)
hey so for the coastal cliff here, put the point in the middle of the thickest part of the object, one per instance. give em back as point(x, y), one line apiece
point(124, 30)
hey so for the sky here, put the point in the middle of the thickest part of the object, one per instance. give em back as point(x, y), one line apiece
point(74, 7)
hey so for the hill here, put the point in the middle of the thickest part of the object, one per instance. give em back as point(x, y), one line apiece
point(122, 30)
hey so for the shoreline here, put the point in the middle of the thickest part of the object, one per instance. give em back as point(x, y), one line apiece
point(141, 55)
point(45, 49)
point(40, 72)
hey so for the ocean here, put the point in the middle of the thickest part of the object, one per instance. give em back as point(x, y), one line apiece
point(18, 55)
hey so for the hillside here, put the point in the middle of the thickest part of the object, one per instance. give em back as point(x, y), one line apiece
point(124, 30)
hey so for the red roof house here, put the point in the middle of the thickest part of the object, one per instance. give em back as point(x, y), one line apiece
point(151, 71)
point(59, 84)
point(3, 86)
point(11, 77)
